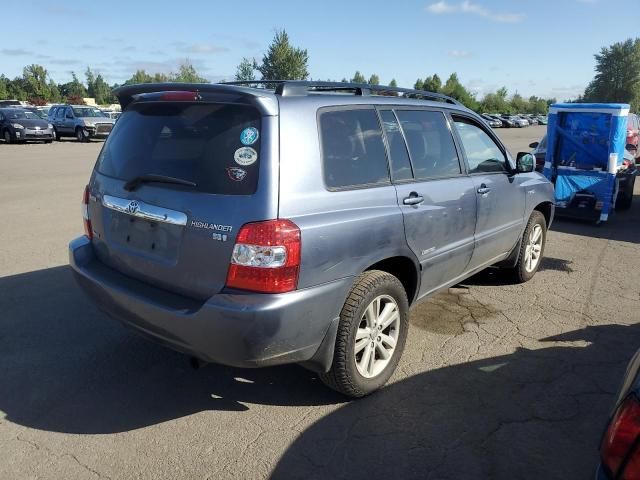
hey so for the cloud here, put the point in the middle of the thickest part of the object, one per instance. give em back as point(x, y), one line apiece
point(15, 52)
point(470, 8)
point(200, 48)
point(64, 61)
point(459, 54)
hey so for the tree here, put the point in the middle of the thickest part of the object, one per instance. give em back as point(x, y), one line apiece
point(344, 80)
point(187, 74)
point(432, 83)
point(74, 88)
point(617, 76)
point(358, 78)
point(54, 92)
point(519, 104)
point(374, 79)
point(393, 83)
point(419, 85)
point(35, 82)
point(283, 61)
point(4, 87)
point(159, 78)
point(246, 70)
point(98, 89)
point(455, 89)
point(140, 76)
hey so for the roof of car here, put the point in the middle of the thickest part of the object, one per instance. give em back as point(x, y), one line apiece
point(319, 93)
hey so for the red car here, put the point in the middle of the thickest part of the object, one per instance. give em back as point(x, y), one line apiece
point(633, 134)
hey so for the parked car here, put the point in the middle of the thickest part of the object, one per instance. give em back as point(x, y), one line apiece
point(540, 152)
point(10, 103)
point(516, 121)
point(542, 120)
point(619, 447)
point(252, 227)
point(20, 125)
point(633, 134)
point(533, 120)
point(80, 121)
point(37, 111)
point(493, 122)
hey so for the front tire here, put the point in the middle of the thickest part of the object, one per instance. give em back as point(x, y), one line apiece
point(8, 138)
point(531, 248)
point(371, 335)
point(80, 135)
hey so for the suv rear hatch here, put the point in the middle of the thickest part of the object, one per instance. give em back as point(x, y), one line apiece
point(179, 175)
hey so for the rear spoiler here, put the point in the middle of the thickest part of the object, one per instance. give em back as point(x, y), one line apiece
point(263, 100)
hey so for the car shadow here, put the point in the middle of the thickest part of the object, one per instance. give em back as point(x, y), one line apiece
point(65, 367)
point(530, 414)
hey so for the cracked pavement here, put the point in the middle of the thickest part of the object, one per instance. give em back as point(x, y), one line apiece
point(497, 380)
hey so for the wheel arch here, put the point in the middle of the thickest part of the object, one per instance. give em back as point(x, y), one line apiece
point(404, 269)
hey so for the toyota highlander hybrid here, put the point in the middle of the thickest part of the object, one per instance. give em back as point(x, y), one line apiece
point(255, 227)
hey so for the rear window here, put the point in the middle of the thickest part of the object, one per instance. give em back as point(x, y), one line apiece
point(353, 153)
point(216, 146)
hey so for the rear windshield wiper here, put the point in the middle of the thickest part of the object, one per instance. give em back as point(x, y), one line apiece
point(135, 182)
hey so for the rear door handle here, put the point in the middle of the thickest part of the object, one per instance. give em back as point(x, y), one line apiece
point(483, 189)
point(413, 199)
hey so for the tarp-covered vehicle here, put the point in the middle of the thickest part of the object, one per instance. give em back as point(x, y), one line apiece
point(585, 159)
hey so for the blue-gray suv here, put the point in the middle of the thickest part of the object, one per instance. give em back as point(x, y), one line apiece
point(296, 222)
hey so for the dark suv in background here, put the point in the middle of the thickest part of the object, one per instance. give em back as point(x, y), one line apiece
point(255, 227)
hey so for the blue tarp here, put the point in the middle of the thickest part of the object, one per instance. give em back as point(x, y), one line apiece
point(583, 136)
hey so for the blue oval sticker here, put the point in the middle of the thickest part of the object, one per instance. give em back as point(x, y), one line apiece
point(249, 136)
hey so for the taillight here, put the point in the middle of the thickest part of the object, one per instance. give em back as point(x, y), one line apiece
point(266, 257)
point(620, 451)
point(85, 213)
point(179, 96)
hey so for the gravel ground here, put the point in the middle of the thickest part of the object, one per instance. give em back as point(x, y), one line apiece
point(497, 380)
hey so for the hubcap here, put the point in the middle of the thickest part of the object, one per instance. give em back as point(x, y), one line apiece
point(533, 249)
point(377, 336)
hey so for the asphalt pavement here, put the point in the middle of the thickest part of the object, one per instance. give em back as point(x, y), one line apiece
point(497, 380)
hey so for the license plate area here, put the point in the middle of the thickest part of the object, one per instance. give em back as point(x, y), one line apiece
point(144, 236)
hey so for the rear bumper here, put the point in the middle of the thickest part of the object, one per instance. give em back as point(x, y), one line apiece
point(237, 328)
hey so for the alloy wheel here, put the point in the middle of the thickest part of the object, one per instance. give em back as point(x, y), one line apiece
point(533, 251)
point(377, 336)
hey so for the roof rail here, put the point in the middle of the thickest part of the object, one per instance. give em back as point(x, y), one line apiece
point(304, 87)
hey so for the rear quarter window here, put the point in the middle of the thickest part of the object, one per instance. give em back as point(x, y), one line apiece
point(353, 152)
point(216, 146)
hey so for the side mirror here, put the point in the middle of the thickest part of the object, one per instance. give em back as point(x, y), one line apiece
point(534, 145)
point(525, 162)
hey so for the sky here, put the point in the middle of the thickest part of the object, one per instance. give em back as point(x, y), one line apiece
point(533, 47)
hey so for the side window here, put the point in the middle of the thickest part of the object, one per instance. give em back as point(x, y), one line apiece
point(60, 113)
point(69, 113)
point(400, 163)
point(353, 153)
point(482, 153)
point(433, 153)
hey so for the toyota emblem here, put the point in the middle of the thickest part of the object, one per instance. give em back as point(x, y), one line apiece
point(132, 207)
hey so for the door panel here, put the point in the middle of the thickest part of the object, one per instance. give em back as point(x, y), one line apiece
point(499, 219)
point(439, 205)
point(440, 229)
point(500, 198)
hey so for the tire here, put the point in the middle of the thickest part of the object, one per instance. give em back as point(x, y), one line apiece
point(624, 201)
point(57, 135)
point(80, 136)
point(348, 369)
point(48, 141)
point(523, 270)
point(8, 138)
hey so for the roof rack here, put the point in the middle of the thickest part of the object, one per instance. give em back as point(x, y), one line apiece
point(304, 87)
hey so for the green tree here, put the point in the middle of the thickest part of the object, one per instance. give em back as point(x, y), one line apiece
point(374, 79)
point(246, 70)
point(160, 78)
point(617, 76)
point(54, 92)
point(187, 74)
point(433, 83)
point(456, 90)
point(74, 89)
point(141, 76)
point(519, 104)
point(393, 83)
point(419, 85)
point(358, 78)
point(4, 87)
point(344, 80)
point(35, 82)
point(284, 61)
